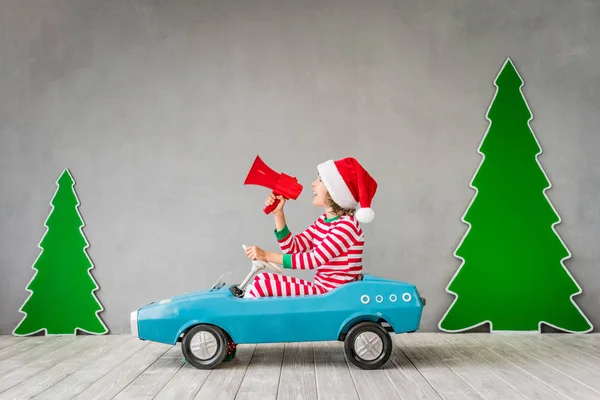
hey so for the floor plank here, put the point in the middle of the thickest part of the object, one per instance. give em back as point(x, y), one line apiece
point(85, 376)
point(298, 379)
point(591, 339)
point(406, 378)
point(75, 346)
point(262, 377)
point(554, 359)
point(372, 383)
point(581, 343)
point(568, 349)
point(224, 382)
point(21, 346)
point(34, 354)
point(46, 378)
point(122, 375)
point(8, 340)
point(185, 384)
point(155, 377)
point(563, 384)
point(332, 374)
point(508, 372)
point(472, 370)
point(443, 379)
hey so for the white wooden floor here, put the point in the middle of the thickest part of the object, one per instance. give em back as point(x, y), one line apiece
point(422, 366)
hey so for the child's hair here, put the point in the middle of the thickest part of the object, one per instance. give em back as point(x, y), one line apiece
point(337, 210)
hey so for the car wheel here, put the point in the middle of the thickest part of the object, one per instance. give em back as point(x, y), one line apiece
point(204, 346)
point(368, 345)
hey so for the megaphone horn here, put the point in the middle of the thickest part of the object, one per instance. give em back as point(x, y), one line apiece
point(260, 174)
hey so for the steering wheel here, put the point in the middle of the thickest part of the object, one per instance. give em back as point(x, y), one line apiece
point(270, 265)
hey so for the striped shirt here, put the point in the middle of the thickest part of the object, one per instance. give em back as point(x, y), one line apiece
point(333, 247)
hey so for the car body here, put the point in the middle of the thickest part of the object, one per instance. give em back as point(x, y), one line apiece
point(394, 305)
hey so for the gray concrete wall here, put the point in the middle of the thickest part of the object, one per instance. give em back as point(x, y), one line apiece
point(141, 99)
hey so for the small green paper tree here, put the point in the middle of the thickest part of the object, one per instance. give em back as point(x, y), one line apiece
point(512, 275)
point(61, 296)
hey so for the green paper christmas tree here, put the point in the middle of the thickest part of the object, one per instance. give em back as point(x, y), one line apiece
point(512, 275)
point(62, 289)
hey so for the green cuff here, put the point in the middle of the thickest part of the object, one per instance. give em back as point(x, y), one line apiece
point(287, 261)
point(282, 233)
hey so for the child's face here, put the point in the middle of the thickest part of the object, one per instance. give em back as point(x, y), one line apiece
point(319, 192)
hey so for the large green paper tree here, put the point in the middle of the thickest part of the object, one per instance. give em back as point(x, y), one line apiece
point(62, 298)
point(512, 275)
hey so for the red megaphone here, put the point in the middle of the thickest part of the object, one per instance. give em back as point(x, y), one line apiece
point(281, 184)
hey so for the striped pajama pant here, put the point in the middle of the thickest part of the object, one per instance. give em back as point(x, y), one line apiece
point(267, 284)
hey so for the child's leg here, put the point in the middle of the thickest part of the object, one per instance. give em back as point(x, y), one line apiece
point(268, 284)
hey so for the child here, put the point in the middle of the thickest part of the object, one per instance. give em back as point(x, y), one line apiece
point(333, 244)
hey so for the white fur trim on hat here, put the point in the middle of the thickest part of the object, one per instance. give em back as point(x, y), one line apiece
point(365, 215)
point(336, 185)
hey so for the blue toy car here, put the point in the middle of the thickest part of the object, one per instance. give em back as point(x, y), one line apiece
point(210, 323)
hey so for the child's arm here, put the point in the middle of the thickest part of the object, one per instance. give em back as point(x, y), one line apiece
point(343, 236)
point(290, 243)
point(279, 220)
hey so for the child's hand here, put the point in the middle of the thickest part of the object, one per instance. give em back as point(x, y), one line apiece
point(256, 253)
point(271, 199)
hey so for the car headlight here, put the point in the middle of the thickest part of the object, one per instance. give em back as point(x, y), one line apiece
point(134, 323)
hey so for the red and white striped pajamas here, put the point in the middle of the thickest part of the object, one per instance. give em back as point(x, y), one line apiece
point(268, 284)
point(333, 247)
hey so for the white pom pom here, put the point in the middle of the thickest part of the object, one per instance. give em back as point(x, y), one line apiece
point(365, 215)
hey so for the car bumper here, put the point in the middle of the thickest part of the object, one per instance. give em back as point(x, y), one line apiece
point(133, 320)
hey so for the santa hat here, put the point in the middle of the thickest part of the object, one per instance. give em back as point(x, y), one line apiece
point(349, 184)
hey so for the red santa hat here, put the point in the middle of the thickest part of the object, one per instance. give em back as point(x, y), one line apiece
point(349, 184)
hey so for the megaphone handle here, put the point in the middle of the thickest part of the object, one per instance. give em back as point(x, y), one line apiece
point(271, 207)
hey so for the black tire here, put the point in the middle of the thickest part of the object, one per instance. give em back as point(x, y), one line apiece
point(351, 351)
point(213, 360)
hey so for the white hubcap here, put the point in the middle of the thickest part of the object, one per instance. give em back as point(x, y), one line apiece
point(368, 346)
point(204, 345)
